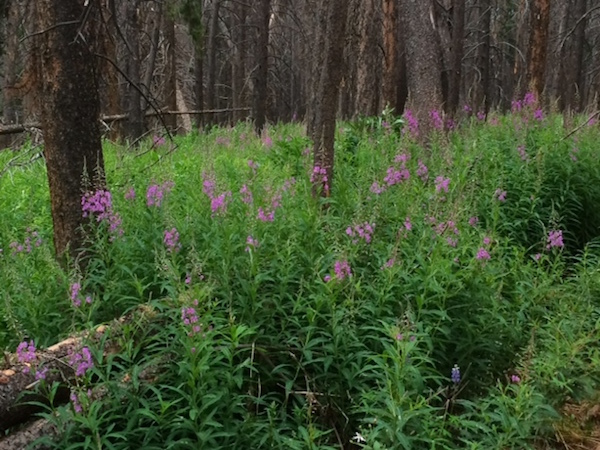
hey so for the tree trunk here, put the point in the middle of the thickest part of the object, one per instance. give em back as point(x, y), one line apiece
point(70, 107)
point(134, 97)
point(331, 71)
point(261, 72)
point(424, 78)
point(11, 54)
point(238, 65)
point(482, 95)
point(211, 63)
point(538, 43)
point(170, 93)
point(390, 34)
point(573, 57)
point(458, 35)
point(368, 73)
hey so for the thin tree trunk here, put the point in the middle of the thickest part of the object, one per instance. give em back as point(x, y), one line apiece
point(171, 72)
point(70, 107)
point(261, 72)
point(154, 43)
point(458, 35)
point(482, 91)
point(331, 75)
point(368, 74)
point(390, 74)
point(424, 76)
point(238, 65)
point(134, 107)
point(211, 63)
point(538, 44)
point(10, 91)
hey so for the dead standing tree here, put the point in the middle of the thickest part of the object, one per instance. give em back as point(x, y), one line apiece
point(70, 106)
point(331, 70)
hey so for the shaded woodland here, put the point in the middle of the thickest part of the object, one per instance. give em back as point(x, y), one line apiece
point(223, 61)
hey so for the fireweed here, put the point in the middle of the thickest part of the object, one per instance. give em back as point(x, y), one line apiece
point(32, 240)
point(362, 231)
point(98, 204)
point(156, 193)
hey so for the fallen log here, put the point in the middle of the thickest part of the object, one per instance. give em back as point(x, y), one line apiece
point(28, 434)
point(21, 128)
point(18, 379)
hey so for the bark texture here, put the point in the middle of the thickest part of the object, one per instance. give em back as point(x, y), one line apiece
point(423, 61)
point(261, 71)
point(538, 43)
point(70, 108)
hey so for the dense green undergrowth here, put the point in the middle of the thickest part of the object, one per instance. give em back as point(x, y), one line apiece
point(441, 298)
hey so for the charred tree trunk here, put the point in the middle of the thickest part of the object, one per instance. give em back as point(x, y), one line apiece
point(171, 72)
point(331, 71)
point(261, 72)
point(573, 58)
point(482, 89)
point(424, 77)
point(390, 34)
point(458, 35)
point(70, 107)
point(368, 72)
point(11, 53)
point(211, 63)
point(135, 126)
point(238, 65)
point(538, 43)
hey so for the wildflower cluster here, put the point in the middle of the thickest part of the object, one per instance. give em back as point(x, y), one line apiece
point(483, 254)
point(32, 239)
point(156, 193)
point(422, 171)
point(218, 203)
point(319, 176)
point(442, 184)
point(500, 195)
point(436, 119)
point(76, 298)
point(341, 269)
point(362, 231)
point(555, 239)
point(99, 205)
point(412, 123)
point(81, 361)
point(171, 240)
point(394, 175)
point(190, 319)
point(251, 243)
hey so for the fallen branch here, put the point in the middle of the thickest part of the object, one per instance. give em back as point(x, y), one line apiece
point(26, 127)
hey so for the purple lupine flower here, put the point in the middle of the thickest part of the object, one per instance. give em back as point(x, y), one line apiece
point(455, 375)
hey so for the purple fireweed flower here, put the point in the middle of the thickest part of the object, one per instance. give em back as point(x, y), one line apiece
point(362, 231)
point(422, 171)
point(158, 140)
point(555, 239)
point(442, 184)
point(171, 240)
point(251, 243)
point(389, 263)
point(190, 320)
point(538, 114)
point(376, 188)
point(500, 195)
point(487, 240)
point(218, 205)
point(529, 99)
point(75, 402)
point(75, 299)
point(81, 361)
point(522, 152)
point(436, 119)
point(267, 141)
point(473, 221)
point(265, 216)
point(130, 194)
point(319, 175)
point(412, 122)
point(401, 159)
point(26, 354)
point(516, 379)
point(395, 176)
point(246, 195)
point(452, 242)
point(467, 109)
point(156, 192)
point(483, 254)
point(407, 224)
point(516, 106)
point(342, 269)
point(481, 115)
point(253, 165)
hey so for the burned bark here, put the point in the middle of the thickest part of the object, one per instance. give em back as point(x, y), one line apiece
point(70, 107)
